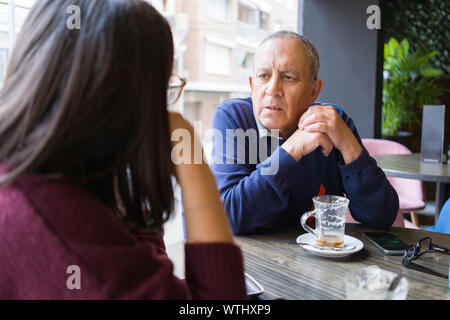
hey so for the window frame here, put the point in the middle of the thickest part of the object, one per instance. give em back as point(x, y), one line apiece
point(209, 41)
point(212, 13)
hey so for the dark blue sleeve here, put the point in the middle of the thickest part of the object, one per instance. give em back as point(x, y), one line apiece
point(252, 195)
point(373, 200)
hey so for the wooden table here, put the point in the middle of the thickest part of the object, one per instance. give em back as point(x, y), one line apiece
point(288, 271)
point(409, 166)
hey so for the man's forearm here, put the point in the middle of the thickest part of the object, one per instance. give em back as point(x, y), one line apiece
point(253, 199)
point(373, 201)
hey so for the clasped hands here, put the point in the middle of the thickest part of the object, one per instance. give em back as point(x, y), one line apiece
point(322, 126)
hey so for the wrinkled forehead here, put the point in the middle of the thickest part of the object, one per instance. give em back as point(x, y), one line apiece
point(281, 54)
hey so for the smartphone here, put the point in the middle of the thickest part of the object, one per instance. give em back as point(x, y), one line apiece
point(387, 242)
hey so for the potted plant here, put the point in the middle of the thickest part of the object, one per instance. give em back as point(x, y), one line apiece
point(409, 83)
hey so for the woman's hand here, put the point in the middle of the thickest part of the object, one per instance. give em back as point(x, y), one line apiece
point(176, 121)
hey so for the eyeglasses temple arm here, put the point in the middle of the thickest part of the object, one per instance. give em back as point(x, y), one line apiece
point(441, 249)
point(424, 269)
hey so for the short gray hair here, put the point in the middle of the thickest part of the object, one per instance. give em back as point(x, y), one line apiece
point(311, 51)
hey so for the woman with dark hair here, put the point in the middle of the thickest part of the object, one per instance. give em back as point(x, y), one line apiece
point(86, 170)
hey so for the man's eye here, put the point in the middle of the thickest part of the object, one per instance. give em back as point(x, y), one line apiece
point(263, 76)
point(288, 78)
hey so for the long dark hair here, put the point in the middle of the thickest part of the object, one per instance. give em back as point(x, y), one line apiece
point(91, 103)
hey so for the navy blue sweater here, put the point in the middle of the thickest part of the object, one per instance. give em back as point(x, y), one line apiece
point(255, 197)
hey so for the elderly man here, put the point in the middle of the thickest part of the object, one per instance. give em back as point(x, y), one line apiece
point(317, 151)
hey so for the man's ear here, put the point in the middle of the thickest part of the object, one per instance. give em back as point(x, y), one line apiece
point(316, 88)
point(250, 81)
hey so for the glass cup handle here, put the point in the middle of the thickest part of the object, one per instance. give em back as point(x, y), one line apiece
point(305, 217)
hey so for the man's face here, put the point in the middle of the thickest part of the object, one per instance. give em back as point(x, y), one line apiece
point(281, 85)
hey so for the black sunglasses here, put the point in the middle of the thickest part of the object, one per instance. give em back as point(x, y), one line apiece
point(416, 250)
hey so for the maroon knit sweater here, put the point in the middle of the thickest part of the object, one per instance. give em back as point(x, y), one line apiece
point(48, 224)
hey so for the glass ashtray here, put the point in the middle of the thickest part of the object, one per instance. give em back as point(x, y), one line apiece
point(372, 283)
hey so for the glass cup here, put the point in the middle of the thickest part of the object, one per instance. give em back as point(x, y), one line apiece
point(372, 283)
point(329, 212)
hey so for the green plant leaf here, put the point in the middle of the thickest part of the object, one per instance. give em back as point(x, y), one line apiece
point(404, 48)
point(387, 51)
point(430, 72)
point(423, 58)
point(390, 47)
point(389, 63)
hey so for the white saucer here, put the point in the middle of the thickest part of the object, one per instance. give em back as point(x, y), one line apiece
point(311, 239)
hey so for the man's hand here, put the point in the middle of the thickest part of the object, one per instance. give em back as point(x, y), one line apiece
point(326, 119)
point(302, 142)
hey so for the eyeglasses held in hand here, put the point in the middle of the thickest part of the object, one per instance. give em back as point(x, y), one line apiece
point(416, 250)
point(175, 88)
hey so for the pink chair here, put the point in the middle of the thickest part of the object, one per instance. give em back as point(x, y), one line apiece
point(410, 192)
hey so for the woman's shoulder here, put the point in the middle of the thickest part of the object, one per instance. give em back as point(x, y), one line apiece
point(48, 225)
point(69, 211)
